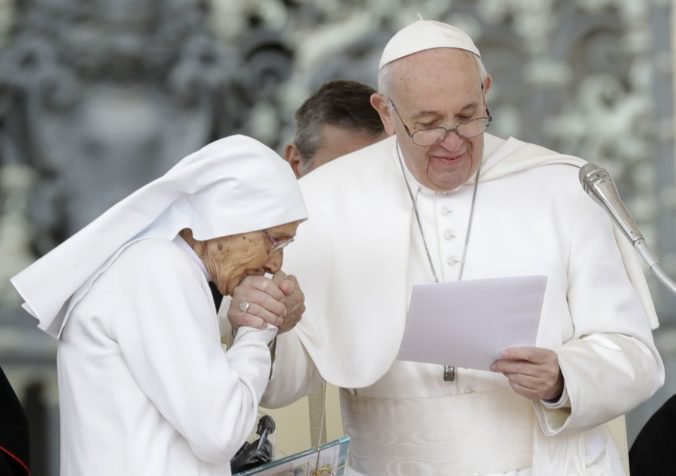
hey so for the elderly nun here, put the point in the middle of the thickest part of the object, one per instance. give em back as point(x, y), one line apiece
point(145, 386)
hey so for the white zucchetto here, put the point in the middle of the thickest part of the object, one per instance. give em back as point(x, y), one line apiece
point(231, 186)
point(425, 35)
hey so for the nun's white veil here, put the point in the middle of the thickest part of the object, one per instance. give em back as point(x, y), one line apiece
point(234, 185)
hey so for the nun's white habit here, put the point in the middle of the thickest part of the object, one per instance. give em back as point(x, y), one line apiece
point(145, 386)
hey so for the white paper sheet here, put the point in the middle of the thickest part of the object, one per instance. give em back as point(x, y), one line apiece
point(468, 323)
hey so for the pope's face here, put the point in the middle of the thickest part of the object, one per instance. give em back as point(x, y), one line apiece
point(230, 259)
point(432, 88)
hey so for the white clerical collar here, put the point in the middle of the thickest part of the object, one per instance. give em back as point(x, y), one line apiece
point(186, 247)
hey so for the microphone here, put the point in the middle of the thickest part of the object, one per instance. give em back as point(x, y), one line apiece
point(599, 185)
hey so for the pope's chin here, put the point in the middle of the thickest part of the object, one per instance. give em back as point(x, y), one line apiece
point(449, 174)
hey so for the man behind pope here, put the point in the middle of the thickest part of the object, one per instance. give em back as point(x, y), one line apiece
point(443, 200)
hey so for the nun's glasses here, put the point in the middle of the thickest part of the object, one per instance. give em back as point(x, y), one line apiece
point(276, 244)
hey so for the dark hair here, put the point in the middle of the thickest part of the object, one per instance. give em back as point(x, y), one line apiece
point(338, 103)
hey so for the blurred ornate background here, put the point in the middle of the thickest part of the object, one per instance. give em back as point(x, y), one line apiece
point(99, 96)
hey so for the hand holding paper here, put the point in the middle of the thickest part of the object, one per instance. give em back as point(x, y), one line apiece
point(533, 372)
point(469, 323)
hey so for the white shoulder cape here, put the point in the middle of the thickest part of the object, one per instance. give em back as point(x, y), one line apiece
point(356, 310)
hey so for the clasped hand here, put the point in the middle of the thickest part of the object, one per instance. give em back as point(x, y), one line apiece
point(533, 372)
point(278, 301)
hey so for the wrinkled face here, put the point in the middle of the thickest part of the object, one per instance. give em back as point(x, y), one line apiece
point(432, 88)
point(337, 141)
point(230, 259)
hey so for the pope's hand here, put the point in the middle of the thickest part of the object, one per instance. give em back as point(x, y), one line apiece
point(294, 300)
point(533, 372)
point(256, 302)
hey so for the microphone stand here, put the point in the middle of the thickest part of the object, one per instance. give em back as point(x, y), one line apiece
point(599, 185)
point(651, 261)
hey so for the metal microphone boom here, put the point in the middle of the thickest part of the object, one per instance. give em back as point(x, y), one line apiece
point(599, 185)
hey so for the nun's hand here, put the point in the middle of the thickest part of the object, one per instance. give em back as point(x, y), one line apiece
point(294, 300)
point(256, 302)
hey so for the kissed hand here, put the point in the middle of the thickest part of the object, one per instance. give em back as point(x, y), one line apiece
point(294, 300)
point(265, 303)
point(277, 301)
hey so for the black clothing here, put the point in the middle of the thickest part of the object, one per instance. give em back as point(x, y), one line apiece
point(654, 450)
point(14, 446)
point(216, 295)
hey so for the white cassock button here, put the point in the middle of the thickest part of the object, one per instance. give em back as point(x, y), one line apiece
point(445, 211)
point(449, 235)
point(452, 260)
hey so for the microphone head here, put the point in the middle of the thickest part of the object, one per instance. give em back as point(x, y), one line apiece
point(591, 175)
point(599, 185)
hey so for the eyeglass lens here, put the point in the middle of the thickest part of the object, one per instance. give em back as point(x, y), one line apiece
point(438, 134)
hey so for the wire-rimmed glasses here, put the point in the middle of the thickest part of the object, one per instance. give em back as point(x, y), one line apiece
point(435, 135)
point(277, 244)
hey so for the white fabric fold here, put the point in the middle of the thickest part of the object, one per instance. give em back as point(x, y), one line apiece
point(517, 156)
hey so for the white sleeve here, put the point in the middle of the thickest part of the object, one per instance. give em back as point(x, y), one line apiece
point(293, 373)
point(611, 363)
point(167, 331)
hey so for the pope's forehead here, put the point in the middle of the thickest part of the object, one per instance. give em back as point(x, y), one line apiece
point(437, 70)
point(441, 59)
point(437, 85)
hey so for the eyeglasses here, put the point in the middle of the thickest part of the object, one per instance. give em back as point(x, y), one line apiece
point(277, 244)
point(435, 135)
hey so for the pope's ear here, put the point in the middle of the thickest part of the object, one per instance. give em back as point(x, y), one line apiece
point(487, 83)
point(381, 104)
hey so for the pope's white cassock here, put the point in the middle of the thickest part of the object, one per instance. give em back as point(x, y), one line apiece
point(357, 259)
